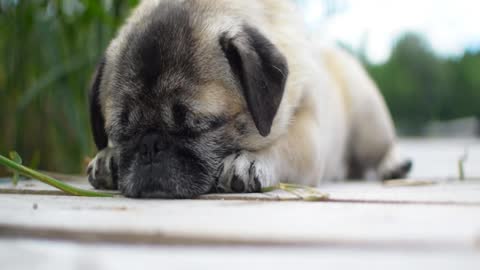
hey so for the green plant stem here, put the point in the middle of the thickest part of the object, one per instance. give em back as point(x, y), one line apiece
point(461, 171)
point(49, 180)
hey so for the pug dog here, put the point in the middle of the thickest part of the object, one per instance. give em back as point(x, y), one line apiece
point(199, 96)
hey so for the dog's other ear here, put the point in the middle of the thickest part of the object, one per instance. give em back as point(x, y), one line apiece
point(97, 120)
point(262, 71)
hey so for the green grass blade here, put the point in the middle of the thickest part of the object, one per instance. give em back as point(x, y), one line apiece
point(16, 158)
point(49, 180)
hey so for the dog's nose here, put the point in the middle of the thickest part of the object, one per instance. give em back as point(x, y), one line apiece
point(150, 147)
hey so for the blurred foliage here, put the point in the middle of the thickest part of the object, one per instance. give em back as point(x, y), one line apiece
point(421, 87)
point(48, 51)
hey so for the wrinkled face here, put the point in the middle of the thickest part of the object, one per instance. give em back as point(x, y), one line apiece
point(171, 141)
point(173, 102)
point(168, 145)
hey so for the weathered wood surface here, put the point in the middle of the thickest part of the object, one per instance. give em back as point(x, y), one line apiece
point(397, 191)
point(48, 255)
point(434, 225)
point(417, 224)
point(445, 213)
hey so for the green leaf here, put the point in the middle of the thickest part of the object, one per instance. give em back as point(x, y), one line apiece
point(14, 156)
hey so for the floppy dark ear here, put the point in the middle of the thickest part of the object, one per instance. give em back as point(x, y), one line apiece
point(262, 71)
point(97, 121)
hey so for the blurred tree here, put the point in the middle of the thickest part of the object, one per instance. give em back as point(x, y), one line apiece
point(420, 87)
point(465, 95)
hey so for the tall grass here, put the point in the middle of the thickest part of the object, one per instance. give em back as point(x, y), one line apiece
point(48, 50)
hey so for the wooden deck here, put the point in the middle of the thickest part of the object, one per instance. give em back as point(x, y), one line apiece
point(359, 225)
point(425, 223)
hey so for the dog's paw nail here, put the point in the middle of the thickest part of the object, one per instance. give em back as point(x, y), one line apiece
point(96, 183)
point(91, 179)
point(237, 184)
point(257, 187)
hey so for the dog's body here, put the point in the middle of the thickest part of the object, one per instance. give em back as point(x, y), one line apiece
point(232, 96)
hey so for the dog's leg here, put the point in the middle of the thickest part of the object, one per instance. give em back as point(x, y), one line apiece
point(394, 167)
point(102, 170)
point(296, 157)
point(372, 133)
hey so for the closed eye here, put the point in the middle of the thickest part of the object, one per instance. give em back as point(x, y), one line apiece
point(200, 126)
point(214, 123)
point(208, 124)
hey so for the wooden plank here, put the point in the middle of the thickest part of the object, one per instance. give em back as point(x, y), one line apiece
point(440, 192)
point(452, 192)
point(362, 225)
point(240, 222)
point(28, 254)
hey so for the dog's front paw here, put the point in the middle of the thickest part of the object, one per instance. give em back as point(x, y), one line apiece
point(242, 172)
point(102, 170)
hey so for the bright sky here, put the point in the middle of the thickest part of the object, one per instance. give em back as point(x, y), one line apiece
point(451, 26)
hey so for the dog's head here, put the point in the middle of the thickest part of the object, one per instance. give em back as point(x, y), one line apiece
point(174, 97)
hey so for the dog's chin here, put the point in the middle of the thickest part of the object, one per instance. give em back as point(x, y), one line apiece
point(161, 194)
point(141, 188)
point(165, 195)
